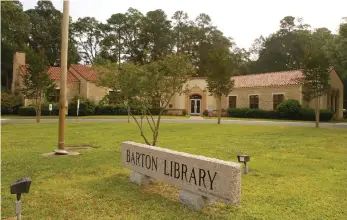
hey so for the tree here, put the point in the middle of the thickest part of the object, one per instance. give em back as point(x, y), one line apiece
point(282, 50)
point(36, 81)
point(156, 35)
point(88, 34)
point(145, 87)
point(45, 21)
point(15, 28)
point(316, 75)
point(221, 66)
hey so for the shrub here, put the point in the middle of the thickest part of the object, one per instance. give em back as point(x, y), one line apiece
point(121, 110)
point(184, 112)
point(111, 110)
point(308, 114)
point(87, 106)
point(251, 113)
point(289, 109)
point(10, 103)
point(27, 111)
point(325, 115)
point(303, 114)
point(45, 109)
point(30, 110)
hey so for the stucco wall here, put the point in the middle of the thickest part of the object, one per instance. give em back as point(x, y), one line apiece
point(72, 89)
point(336, 91)
point(199, 86)
point(265, 96)
point(96, 93)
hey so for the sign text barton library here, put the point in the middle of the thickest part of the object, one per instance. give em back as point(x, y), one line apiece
point(213, 178)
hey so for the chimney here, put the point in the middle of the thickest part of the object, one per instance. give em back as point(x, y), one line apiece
point(18, 61)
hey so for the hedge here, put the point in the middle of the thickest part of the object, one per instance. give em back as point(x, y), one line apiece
point(86, 108)
point(303, 114)
point(30, 110)
point(121, 110)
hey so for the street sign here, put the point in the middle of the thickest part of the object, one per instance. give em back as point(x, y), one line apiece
point(50, 107)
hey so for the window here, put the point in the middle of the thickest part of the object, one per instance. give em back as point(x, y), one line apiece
point(54, 97)
point(253, 101)
point(156, 103)
point(232, 101)
point(277, 99)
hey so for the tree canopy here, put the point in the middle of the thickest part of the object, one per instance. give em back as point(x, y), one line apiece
point(144, 38)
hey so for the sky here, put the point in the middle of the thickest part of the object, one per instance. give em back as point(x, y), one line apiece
point(243, 20)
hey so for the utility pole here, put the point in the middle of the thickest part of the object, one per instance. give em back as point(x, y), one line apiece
point(63, 73)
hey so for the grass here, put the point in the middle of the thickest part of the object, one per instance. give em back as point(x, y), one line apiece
point(88, 117)
point(279, 120)
point(294, 173)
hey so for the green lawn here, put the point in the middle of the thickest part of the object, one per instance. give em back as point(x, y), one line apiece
point(90, 117)
point(294, 173)
point(265, 119)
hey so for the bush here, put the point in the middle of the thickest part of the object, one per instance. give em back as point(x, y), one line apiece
point(30, 110)
point(303, 114)
point(45, 109)
point(10, 103)
point(111, 110)
point(27, 111)
point(87, 107)
point(308, 114)
point(184, 112)
point(289, 109)
point(122, 110)
point(251, 113)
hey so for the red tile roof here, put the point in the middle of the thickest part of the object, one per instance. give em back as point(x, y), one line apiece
point(283, 78)
point(55, 74)
point(85, 71)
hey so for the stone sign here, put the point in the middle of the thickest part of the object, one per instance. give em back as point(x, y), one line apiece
point(208, 177)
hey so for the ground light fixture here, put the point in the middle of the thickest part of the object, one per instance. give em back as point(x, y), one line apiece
point(243, 158)
point(18, 187)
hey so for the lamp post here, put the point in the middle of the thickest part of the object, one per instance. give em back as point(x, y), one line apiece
point(63, 73)
point(19, 187)
point(244, 159)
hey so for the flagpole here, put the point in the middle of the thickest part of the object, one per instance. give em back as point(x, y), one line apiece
point(63, 73)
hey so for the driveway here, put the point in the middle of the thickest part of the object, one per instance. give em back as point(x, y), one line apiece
point(190, 120)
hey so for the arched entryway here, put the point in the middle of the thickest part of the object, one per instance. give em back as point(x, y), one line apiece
point(195, 104)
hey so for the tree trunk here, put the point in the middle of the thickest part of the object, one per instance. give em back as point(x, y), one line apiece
point(317, 112)
point(38, 108)
point(156, 130)
point(219, 109)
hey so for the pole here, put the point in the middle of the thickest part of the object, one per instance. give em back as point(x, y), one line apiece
point(63, 66)
point(18, 207)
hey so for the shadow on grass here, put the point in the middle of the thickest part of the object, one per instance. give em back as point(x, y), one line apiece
point(158, 200)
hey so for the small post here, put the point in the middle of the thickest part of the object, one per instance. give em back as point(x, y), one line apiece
point(50, 109)
point(18, 187)
point(18, 207)
point(244, 158)
point(78, 108)
point(246, 168)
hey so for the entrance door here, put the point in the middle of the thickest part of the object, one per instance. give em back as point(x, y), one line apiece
point(195, 106)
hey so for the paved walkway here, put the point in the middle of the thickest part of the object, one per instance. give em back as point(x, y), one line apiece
point(190, 120)
point(196, 118)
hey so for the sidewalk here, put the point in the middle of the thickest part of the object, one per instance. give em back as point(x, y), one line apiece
point(196, 118)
